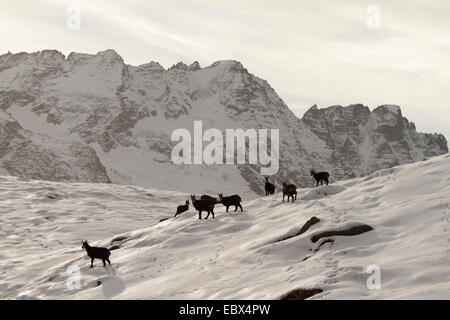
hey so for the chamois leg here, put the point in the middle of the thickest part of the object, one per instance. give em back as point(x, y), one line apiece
point(104, 263)
point(227, 208)
point(212, 211)
point(241, 207)
point(200, 214)
point(108, 261)
point(235, 208)
point(283, 197)
point(92, 262)
point(207, 215)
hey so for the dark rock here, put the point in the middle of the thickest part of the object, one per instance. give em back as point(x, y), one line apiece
point(303, 229)
point(301, 294)
point(351, 231)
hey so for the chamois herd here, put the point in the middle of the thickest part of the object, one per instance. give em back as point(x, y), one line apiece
point(206, 203)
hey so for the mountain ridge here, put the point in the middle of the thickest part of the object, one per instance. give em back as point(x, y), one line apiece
point(127, 113)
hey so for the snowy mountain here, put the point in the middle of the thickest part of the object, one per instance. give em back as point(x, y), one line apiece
point(126, 114)
point(361, 141)
point(396, 221)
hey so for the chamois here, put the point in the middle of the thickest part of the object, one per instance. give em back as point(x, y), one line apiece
point(270, 188)
point(182, 208)
point(289, 190)
point(320, 177)
point(233, 200)
point(96, 253)
point(203, 205)
point(206, 197)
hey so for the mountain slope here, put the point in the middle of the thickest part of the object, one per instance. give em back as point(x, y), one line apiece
point(363, 141)
point(127, 114)
point(29, 155)
point(236, 255)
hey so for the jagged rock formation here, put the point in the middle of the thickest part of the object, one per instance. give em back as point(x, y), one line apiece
point(127, 114)
point(362, 141)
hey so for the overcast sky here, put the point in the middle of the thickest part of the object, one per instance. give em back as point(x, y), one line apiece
point(311, 52)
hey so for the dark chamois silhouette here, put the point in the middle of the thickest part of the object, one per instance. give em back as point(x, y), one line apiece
point(289, 190)
point(96, 253)
point(269, 187)
point(203, 205)
point(206, 197)
point(233, 200)
point(182, 208)
point(320, 177)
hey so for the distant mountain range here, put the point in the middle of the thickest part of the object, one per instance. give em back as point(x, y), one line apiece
point(93, 118)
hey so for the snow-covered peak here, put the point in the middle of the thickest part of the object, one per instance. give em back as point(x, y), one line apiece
point(180, 66)
point(195, 66)
point(231, 65)
point(389, 108)
point(151, 66)
point(110, 54)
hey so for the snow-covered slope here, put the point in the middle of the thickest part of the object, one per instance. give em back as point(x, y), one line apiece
point(127, 114)
point(37, 156)
point(236, 255)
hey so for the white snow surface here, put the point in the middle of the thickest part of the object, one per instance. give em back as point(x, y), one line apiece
point(235, 255)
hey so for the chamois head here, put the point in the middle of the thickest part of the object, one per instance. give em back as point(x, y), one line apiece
point(187, 202)
point(84, 244)
point(266, 178)
point(220, 196)
point(193, 197)
point(284, 183)
point(312, 171)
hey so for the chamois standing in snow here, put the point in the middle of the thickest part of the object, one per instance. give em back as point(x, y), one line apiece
point(206, 197)
point(320, 177)
point(233, 200)
point(182, 208)
point(269, 187)
point(96, 253)
point(203, 205)
point(289, 190)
